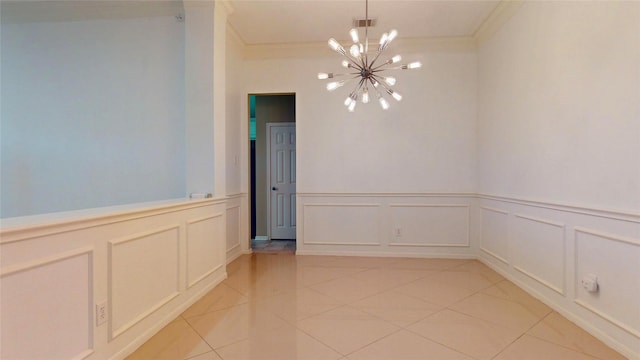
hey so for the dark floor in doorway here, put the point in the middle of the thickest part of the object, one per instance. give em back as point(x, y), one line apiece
point(273, 246)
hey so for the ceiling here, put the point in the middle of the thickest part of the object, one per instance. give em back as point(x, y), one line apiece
point(302, 21)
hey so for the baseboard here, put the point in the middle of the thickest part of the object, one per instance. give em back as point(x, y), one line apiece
point(168, 318)
point(233, 253)
point(261, 238)
point(567, 313)
point(385, 254)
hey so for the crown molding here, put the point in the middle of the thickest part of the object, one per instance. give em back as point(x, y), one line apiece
point(320, 49)
point(78, 10)
point(498, 17)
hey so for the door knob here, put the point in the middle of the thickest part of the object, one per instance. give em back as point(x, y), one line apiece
point(274, 188)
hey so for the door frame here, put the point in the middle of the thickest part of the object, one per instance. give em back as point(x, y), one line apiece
point(268, 154)
point(246, 173)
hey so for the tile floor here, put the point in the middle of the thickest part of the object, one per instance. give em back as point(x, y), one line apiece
point(282, 306)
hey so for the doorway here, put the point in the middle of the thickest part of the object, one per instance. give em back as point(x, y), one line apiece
point(272, 111)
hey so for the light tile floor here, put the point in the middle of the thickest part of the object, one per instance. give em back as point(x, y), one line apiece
point(282, 306)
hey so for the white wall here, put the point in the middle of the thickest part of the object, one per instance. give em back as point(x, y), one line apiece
point(346, 161)
point(237, 206)
point(559, 113)
point(559, 160)
point(92, 114)
point(424, 144)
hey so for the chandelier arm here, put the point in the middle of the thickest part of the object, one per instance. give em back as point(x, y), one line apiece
point(354, 62)
point(373, 86)
point(376, 57)
point(354, 94)
point(345, 74)
point(382, 83)
point(379, 67)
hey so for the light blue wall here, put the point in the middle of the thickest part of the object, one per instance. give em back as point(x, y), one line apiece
point(92, 114)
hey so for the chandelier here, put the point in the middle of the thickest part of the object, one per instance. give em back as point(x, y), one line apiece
point(365, 68)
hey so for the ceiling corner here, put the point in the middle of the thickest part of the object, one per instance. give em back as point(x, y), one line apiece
point(502, 13)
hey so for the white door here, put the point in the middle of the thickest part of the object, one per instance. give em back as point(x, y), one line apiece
point(281, 148)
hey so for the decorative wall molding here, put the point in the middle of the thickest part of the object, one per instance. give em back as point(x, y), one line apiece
point(29, 227)
point(608, 236)
point(504, 236)
point(532, 272)
point(622, 215)
point(191, 279)
point(167, 318)
point(563, 242)
point(539, 220)
point(616, 214)
point(496, 210)
point(119, 326)
point(84, 319)
point(25, 266)
point(239, 195)
point(622, 318)
point(386, 194)
point(131, 236)
point(320, 49)
point(345, 231)
point(502, 13)
point(434, 226)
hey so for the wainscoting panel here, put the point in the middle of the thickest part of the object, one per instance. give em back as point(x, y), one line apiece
point(233, 232)
point(615, 260)
point(50, 302)
point(341, 224)
point(141, 281)
point(429, 225)
point(554, 246)
point(55, 269)
point(539, 251)
point(203, 247)
point(494, 233)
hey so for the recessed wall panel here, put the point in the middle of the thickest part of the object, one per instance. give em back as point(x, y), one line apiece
point(430, 225)
point(341, 224)
point(46, 308)
point(204, 247)
point(539, 250)
point(233, 222)
point(615, 261)
point(494, 236)
point(144, 270)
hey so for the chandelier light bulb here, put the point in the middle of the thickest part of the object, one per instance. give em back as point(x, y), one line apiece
point(395, 95)
point(355, 51)
point(334, 85)
point(354, 35)
point(392, 35)
point(396, 59)
point(335, 45)
point(322, 76)
point(414, 65)
point(346, 64)
point(384, 103)
point(390, 80)
point(365, 95)
point(352, 106)
point(348, 101)
point(383, 39)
